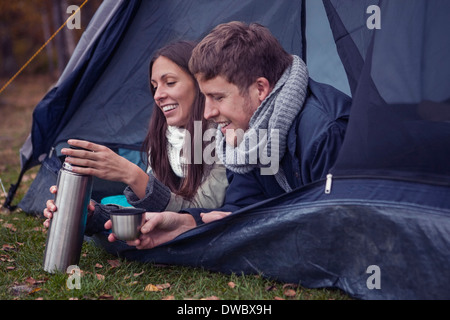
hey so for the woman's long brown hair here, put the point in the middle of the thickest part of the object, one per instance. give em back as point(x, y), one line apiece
point(156, 141)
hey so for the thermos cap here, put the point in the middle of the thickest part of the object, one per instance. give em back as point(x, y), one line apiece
point(67, 166)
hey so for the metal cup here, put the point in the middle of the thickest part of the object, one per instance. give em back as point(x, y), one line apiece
point(126, 223)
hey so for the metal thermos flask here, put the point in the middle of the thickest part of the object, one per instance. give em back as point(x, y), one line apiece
point(66, 231)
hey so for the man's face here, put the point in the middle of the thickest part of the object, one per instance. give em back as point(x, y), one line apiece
point(226, 106)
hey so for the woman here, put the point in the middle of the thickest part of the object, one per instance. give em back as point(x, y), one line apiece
point(173, 181)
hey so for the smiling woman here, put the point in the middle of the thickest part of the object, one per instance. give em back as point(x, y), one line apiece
point(173, 180)
point(180, 105)
point(173, 91)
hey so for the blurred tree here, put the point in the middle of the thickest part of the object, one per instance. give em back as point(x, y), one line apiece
point(25, 25)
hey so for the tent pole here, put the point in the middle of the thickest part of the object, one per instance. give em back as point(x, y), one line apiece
point(13, 189)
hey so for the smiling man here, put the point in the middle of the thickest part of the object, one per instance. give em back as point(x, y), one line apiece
point(253, 86)
point(262, 98)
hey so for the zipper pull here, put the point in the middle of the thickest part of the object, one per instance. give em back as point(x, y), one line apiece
point(51, 152)
point(328, 183)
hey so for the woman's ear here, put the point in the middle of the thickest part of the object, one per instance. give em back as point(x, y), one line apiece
point(264, 88)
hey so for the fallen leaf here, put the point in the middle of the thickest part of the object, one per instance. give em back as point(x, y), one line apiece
point(106, 297)
point(4, 257)
point(114, 263)
point(290, 286)
point(211, 298)
point(20, 289)
point(10, 226)
point(231, 284)
point(100, 276)
point(30, 280)
point(8, 247)
point(163, 286)
point(168, 298)
point(151, 288)
point(35, 290)
point(159, 287)
point(138, 274)
point(278, 298)
point(289, 293)
point(98, 265)
point(270, 288)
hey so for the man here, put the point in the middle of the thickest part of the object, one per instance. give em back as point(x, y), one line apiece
point(264, 103)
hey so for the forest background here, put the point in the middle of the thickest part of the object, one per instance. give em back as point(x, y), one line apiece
point(25, 25)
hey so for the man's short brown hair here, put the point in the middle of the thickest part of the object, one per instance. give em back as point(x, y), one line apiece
point(240, 53)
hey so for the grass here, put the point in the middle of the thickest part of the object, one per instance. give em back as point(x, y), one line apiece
point(104, 277)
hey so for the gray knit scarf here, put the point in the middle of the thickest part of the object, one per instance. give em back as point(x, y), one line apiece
point(265, 140)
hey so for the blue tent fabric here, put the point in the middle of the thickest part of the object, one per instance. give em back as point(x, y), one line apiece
point(57, 108)
point(321, 240)
point(120, 60)
point(400, 121)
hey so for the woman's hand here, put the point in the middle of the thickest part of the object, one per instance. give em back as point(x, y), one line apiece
point(51, 208)
point(97, 160)
point(103, 163)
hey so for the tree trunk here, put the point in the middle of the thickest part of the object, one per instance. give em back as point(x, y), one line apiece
point(47, 34)
point(8, 63)
point(68, 33)
point(60, 38)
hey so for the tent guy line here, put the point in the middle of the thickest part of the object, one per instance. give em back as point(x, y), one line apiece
point(41, 48)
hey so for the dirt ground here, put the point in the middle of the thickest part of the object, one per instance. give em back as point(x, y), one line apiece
point(17, 103)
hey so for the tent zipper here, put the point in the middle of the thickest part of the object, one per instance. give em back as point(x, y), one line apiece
point(328, 183)
point(329, 180)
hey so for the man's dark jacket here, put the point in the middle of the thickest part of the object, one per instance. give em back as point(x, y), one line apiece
point(313, 144)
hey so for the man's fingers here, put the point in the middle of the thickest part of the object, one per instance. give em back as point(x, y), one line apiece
point(213, 216)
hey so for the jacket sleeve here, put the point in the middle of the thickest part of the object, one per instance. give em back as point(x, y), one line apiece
point(210, 194)
point(158, 197)
point(243, 190)
point(321, 131)
point(323, 153)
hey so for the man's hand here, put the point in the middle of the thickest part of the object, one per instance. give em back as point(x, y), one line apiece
point(158, 228)
point(213, 216)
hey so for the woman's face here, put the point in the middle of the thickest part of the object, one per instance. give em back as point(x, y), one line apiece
point(174, 91)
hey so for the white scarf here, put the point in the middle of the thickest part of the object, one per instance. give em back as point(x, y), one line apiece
point(175, 138)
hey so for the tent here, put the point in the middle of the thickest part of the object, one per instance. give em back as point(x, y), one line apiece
point(379, 226)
